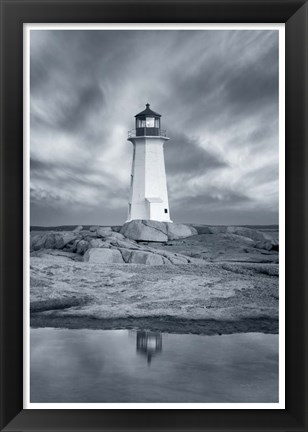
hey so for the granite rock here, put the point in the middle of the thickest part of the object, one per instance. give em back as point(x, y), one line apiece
point(103, 256)
point(154, 231)
point(138, 230)
point(103, 231)
point(177, 231)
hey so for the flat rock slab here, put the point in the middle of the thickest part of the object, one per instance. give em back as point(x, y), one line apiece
point(221, 292)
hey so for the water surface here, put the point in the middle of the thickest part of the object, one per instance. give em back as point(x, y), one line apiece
point(129, 366)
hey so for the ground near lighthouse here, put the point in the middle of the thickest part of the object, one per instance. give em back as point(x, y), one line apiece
point(229, 287)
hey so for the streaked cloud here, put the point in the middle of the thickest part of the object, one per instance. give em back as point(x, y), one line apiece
point(217, 92)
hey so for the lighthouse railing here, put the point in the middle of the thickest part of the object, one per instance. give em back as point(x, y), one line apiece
point(144, 132)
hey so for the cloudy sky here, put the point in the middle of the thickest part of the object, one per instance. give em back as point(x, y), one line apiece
point(217, 92)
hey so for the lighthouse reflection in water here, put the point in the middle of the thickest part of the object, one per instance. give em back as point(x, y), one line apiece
point(149, 344)
point(130, 366)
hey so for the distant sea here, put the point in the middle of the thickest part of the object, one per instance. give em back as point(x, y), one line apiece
point(72, 227)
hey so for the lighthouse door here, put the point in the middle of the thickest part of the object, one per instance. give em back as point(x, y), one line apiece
point(154, 208)
point(155, 211)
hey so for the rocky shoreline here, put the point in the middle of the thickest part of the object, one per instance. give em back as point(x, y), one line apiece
point(163, 324)
point(199, 279)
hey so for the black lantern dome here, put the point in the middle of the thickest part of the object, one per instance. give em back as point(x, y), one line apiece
point(147, 122)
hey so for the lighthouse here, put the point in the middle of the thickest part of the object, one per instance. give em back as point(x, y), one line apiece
point(148, 186)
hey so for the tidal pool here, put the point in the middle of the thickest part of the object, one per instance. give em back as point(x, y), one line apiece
point(141, 366)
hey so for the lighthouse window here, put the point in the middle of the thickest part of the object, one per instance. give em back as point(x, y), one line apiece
point(157, 123)
point(166, 210)
point(149, 122)
point(140, 123)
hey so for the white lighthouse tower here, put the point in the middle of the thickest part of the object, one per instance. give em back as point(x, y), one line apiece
point(148, 188)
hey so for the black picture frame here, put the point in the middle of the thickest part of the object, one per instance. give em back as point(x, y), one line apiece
point(14, 13)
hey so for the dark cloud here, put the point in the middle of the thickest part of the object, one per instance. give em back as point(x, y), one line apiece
point(239, 77)
point(254, 84)
point(217, 92)
point(86, 101)
point(69, 176)
point(185, 156)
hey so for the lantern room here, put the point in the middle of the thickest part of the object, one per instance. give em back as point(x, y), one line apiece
point(148, 123)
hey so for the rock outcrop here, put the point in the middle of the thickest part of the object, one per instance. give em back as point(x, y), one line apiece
point(259, 239)
point(145, 242)
point(145, 230)
point(269, 245)
point(142, 257)
point(253, 234)
point(104, 246)
point(103, 231)
point(82, 247)
point(53, 240)
point(202, 229)
point(78, 228)
point(103, 256)
point(177, 231)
